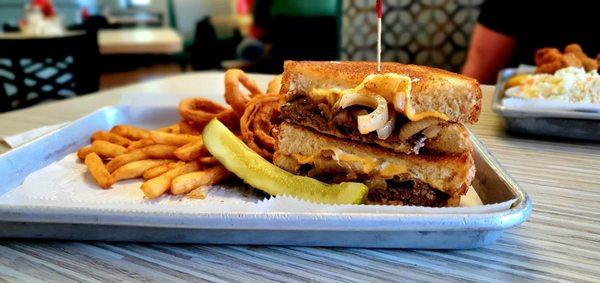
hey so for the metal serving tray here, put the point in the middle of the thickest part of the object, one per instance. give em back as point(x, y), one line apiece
point(430, 231)
point(540, 122)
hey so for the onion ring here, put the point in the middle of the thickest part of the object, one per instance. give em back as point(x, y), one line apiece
point(233, 95)
point(259, 123)
point(199, 110)
point(230, 119)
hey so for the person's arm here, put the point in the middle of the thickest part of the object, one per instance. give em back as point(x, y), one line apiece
point(489, 52)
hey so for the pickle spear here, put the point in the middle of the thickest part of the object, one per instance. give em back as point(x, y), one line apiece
point(259, 173)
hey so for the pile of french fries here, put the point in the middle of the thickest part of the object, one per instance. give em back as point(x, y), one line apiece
point(168, 159)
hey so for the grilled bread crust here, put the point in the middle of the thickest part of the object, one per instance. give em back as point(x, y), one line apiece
point(454, 95)
point(449, 173)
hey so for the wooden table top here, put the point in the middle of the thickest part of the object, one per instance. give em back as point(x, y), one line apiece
point(561, 240)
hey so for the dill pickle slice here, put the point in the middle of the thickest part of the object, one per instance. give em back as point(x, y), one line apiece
point(256, 171)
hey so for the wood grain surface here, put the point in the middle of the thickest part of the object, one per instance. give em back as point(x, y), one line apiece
point(560, 242)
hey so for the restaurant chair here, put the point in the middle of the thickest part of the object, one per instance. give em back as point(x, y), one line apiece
point(299, 30)
point(208, 51)
point(37, 69)
point(6, 27)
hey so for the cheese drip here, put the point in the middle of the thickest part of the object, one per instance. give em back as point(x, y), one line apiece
point(369, 165)
point(395, 88)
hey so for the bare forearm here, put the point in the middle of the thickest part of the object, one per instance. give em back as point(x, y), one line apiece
point(489, 52)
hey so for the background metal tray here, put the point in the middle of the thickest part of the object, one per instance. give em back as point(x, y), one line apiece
point(551, 123)
point(431, 231)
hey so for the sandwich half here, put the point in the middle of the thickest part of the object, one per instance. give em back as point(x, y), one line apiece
point(399, 131)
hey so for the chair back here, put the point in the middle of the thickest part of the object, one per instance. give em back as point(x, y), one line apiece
point(40, 68)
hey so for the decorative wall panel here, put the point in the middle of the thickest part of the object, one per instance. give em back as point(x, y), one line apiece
point(426, 32)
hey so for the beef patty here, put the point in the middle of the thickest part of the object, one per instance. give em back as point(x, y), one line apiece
point(393, 192)
point(343, 124)
point(408, 193)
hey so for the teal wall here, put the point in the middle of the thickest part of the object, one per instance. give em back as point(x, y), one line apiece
point(12, 10)
point(307, 8)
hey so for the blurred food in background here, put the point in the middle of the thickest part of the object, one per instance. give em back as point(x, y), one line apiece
point(41, 19)
point(508, 32)
point(569, 76)
point(549, 59)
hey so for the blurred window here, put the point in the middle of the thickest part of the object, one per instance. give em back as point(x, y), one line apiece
point(139, 2)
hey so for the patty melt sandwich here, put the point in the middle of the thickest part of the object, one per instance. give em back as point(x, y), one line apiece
point(400, 131)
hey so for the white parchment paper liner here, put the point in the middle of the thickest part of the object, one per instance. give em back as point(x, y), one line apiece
point(22, 138)
point(66, 184)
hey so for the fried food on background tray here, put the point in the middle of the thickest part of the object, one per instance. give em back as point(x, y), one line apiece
point(549, 60)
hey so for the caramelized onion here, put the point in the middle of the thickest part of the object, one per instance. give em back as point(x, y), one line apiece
point(394, 87)
point(432, 131)
point(386, 131)
point(413, 127)
point(371, 121)
point(402, 92)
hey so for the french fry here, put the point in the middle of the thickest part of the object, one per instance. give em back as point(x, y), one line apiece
point(198, 193)
point(98, 170)
point(191, 151)
point(84, 151)
point(160, 151)
point(186, 127)
point(126, 158)
point(187, 182)
point(155, 187)
point(140, 143)
point(130, 132)
point(155, 151)
point(159, 170)
point(173, 139)
point(107, 149)
point(110, 137)
point(173, 129)
point(137, 168)
point(208, 161)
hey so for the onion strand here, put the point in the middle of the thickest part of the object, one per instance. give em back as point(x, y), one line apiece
point(386, 131)
point(372, 121)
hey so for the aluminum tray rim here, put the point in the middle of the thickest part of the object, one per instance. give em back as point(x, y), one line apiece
point(274, 220)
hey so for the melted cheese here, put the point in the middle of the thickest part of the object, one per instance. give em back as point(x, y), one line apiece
point(372, 166)
point(369, 165)
point(390, 86)
point(390, 170)
point(339, 155)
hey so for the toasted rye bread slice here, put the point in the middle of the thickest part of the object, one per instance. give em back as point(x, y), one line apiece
point(454, 95)
point(449, 173)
